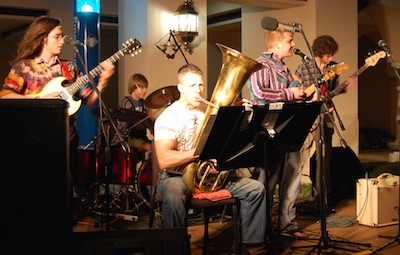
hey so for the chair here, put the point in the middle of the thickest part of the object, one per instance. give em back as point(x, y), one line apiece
point(203, 204)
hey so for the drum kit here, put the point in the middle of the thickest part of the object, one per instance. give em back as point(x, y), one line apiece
point(128, 168)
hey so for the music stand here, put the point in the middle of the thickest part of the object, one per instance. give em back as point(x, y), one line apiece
point(245, 136)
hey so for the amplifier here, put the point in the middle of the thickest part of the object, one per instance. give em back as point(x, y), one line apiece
point(35, 188)
point(378, 200)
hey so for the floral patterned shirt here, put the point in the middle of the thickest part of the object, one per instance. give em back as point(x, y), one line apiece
point(30, 76)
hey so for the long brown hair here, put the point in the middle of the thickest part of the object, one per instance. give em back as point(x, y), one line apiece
point(31, 43)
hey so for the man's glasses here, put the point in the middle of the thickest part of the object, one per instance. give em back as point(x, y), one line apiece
point(57, 37)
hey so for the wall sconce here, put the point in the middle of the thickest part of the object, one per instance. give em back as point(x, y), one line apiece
point(171, 47)
point(186, 24)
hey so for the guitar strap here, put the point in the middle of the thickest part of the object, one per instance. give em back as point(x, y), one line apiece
point(72, 131)
point(65, 71)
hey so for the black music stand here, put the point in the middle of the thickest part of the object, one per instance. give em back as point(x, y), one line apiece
point(240, 137)
point(237, 130)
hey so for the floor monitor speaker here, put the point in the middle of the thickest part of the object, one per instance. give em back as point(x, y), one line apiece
point(35, 191)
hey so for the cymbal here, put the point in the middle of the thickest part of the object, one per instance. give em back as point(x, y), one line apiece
point(162, 97)
point(123, 114)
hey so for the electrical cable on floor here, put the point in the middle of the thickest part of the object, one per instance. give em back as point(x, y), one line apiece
point(340, 222)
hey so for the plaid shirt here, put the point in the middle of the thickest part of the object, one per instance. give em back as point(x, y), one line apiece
point(307, 74)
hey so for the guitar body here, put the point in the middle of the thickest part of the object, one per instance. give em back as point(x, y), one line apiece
point(56, 85)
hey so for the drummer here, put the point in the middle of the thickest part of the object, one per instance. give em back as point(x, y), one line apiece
point(137, 135)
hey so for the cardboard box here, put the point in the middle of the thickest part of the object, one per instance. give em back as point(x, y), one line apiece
point(378, 200)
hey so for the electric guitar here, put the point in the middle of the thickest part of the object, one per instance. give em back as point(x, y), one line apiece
point(67, 91)
point(370, 61)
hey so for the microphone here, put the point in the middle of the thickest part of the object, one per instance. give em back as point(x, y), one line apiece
point(384, 46)
point(68, 39)
point(272, 24)
point(301, 54)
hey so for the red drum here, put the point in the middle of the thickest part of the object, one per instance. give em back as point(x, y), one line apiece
point(123, 165)
point(84, 174)
point(89, 164)
point(145, 177)
point(145, 173)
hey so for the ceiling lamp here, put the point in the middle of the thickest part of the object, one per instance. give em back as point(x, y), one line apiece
point(186, 23)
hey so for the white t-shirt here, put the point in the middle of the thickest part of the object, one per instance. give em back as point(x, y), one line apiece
point(180, 124)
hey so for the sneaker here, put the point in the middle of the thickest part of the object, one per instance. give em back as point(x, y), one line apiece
point(298, 234)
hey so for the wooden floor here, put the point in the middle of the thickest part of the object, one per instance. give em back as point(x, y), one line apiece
point(342, 234)
point(339, 233)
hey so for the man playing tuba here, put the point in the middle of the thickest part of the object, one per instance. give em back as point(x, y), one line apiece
point(175, 131)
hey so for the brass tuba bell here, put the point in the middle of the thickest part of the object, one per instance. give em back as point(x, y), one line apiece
point(202, 175)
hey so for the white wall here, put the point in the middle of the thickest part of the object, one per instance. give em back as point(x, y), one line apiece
point(150, 21)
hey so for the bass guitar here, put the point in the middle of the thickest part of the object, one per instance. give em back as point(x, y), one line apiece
point(370, 61)
point(67, 91)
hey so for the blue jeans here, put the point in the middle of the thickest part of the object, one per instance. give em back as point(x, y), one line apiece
point(287, 173)
point(251, 194)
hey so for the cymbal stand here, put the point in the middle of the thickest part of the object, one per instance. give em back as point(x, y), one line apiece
point(395, 239)
point(325, 242)
point(94, 188)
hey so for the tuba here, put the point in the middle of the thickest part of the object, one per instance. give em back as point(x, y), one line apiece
point(236, 69)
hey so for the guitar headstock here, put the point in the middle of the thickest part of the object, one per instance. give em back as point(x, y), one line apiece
point(132, 47)
point(336, 69)
point(372, 60)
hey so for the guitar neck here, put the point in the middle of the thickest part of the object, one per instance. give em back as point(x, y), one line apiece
point(343, 85)
point(82, 81)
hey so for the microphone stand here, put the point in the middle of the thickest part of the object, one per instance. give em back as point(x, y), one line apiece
point(397, 237)
point(325, 242)
point(105, 131)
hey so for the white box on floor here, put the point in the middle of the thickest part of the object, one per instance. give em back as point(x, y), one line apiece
point(378, 200)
